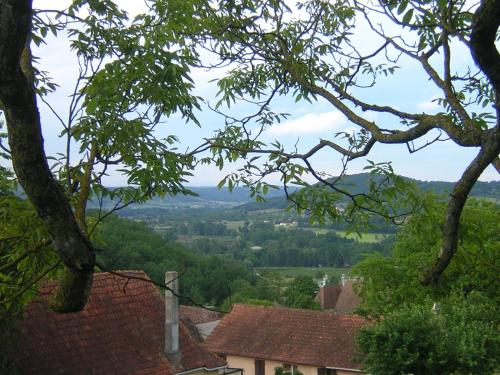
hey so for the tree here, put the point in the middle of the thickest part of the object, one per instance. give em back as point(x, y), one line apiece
point(390, 282)
point(448, 328)
point(300, 293)
point(24, 246)
point(131, 77)
point(460, 338)
point(272, 53)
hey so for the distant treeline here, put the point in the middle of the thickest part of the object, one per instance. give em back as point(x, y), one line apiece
point(262, 244)
point(213, 270)
point(125, 244)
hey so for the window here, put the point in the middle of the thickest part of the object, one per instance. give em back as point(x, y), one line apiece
point(231, 371)
point(260, 368)
point(289, 368)
point(327, 371)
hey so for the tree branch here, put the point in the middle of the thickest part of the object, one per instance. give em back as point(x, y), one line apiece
point(18, 97)
point(24, 255)
point(160, 285)
point(488, 153)
point(485, 25)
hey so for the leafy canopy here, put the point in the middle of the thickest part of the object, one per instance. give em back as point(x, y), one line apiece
point(448, 328)
point(311, 51)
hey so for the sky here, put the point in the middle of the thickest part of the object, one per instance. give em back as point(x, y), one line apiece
point(307, 123)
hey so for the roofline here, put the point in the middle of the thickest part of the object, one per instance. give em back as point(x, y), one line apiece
point(288, 361)
point(345, 369)
point(200, 368)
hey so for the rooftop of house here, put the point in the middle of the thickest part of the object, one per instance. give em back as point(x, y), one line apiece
point(341, 298)
point(120, 330)
point(200, 320)
point(328, 296)
point(199, 315)
point(347, 300)
point(309, 337)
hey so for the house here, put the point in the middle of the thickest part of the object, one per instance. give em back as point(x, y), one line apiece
point(342, 298)
point(260, 339)
point(328, 295)
point(127, 327)
point(348, 299)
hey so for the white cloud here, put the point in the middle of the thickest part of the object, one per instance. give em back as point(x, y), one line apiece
point(429, 105)
point(310, 123)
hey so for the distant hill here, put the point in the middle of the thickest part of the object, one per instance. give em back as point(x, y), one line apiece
point(239, 198)
point(208, 197)
point(358, 183)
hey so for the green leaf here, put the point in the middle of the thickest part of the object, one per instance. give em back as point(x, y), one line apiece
point(407, 17)
point(402, 6)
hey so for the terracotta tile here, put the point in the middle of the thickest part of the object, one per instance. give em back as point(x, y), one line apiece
point(317, 338)
point(116, 332)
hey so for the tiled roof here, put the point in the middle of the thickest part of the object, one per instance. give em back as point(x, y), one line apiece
point(348, 299)
point(317, 338)
point(328, 296)
point(120, 331)
point(192, 328)
point(199, 315)
point(206, 329)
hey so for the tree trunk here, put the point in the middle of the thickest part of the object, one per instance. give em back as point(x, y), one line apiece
point(18, 100)
point(485, 26)
point(458, 197)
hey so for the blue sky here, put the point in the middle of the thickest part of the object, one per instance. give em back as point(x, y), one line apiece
point(409, 90)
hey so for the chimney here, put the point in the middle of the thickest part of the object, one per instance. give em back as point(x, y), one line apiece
point(171, 313)
point(343, 280)
point(322, 297)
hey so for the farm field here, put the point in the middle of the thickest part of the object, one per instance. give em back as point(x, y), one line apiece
point(234, 224)
point(365, 237)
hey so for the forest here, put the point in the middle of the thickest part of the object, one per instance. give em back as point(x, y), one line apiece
point(214, 280)
point(262, 244)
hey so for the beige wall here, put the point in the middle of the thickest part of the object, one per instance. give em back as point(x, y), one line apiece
point(306, 370)
point(248, 366)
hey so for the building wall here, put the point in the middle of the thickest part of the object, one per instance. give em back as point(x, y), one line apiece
point(248, 366)
point(306, 370)
point(205, 372)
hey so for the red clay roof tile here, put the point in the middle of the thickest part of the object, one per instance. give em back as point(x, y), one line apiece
point(328, 296)
point(199, 315)
point(317, 338)
point(348, 300)
point(120, 330)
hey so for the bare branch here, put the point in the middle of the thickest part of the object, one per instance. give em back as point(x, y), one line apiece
point(160, 285)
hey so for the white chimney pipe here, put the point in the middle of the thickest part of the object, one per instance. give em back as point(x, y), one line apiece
point(343, 280)
point(171, 313)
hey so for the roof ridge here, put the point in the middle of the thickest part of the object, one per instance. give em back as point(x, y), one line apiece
point(286, 308)
point(113, 272)
point(319, 338)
